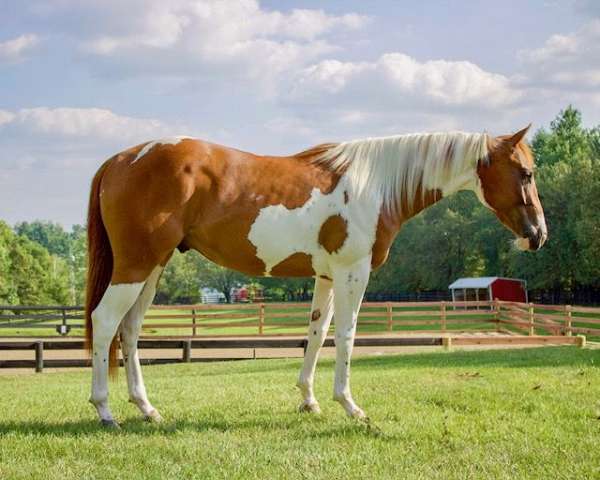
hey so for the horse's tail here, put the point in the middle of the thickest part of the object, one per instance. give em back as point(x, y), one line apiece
point(100, 266)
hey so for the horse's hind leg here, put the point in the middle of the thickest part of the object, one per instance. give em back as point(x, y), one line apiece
point(115, 303)
point(321, 312)
point(130, 332)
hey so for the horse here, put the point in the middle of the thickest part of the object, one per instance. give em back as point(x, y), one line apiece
point(330, 212)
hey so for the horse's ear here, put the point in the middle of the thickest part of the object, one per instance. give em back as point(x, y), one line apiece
point(517, 137)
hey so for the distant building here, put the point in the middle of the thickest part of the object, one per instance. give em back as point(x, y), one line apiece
point(211, 295)
point(247, 293)
point(489, 288)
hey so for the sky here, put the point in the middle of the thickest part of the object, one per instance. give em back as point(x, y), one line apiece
point(81, 80)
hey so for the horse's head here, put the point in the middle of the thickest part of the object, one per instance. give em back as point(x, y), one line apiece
point(508, 188)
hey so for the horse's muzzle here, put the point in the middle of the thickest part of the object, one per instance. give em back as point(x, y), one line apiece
point(537, 237)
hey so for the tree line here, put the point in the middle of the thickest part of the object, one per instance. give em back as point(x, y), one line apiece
point(40, 262)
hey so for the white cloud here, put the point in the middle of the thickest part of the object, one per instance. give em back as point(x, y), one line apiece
point(570, 61)
point(399, 79)
point(83, 122)
point(6, 117)
point(13, 50)
point(183, 36)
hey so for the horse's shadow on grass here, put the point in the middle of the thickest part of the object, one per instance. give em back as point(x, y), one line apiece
point(321, 428)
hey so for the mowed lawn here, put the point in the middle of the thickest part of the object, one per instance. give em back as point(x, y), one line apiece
point(530, 413)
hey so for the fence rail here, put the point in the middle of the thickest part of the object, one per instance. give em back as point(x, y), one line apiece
point(187, 345)
point(291, 319)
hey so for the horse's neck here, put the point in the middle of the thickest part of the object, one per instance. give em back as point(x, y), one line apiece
point(465, 179)
point(429, 192)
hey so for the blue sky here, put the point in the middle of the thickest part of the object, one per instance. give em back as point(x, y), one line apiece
point(81, 80)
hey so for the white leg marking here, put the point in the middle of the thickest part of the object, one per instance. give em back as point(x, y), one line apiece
point(130, 332)
point(321, 314)
point(115, 303)
point(349, 284)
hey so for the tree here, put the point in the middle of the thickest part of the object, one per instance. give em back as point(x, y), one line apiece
point(48, 234)
point(30, 274)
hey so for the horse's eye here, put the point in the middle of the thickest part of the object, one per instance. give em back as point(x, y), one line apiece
point(527, 176)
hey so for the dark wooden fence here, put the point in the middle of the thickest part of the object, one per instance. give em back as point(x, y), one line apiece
point(185, 347)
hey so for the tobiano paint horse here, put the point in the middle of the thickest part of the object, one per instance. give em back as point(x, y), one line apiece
point(330, 212)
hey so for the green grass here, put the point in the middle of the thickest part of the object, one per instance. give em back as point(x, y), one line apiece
point(529, 413)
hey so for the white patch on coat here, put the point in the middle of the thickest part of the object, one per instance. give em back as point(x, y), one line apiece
point(279, 232)
point(163, 141)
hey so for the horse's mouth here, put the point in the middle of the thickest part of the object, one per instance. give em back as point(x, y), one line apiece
point(533, 241)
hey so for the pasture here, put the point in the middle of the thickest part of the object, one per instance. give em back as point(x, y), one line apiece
point(532, 413)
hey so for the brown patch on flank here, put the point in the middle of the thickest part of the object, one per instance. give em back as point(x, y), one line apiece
point(346, 198)
point(298, 264)
point(333, 233)
point(315, 315)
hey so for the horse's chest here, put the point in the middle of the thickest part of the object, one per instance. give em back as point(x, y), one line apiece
point(328, 227)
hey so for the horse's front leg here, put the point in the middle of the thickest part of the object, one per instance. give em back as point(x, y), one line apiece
point(349, 284)
point(320, 317)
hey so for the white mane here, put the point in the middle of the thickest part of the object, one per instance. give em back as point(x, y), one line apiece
point(395, 166)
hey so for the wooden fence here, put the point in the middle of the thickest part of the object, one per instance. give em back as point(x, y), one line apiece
point(534, 319)
point(291, 319)
point(257, 326)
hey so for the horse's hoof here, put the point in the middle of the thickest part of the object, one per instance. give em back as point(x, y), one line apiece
point(312, 407)
point(110, 424)
point(358, 414)
point(153, 417)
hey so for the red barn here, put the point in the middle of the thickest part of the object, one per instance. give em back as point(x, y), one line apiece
point(489, 288)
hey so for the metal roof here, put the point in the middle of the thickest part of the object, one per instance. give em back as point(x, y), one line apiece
point(478, 282)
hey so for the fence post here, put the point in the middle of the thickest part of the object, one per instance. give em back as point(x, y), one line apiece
point(531, 312)
point(187, 351)
point(193, 322)
point(261, 318)
point(568, 320)
point(388, 310)
point(443, 314)
point(64, 321)
point(497, 314)
point(39, 357)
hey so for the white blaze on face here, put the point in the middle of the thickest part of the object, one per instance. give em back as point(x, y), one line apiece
point(279, 232)
point(163, 141)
